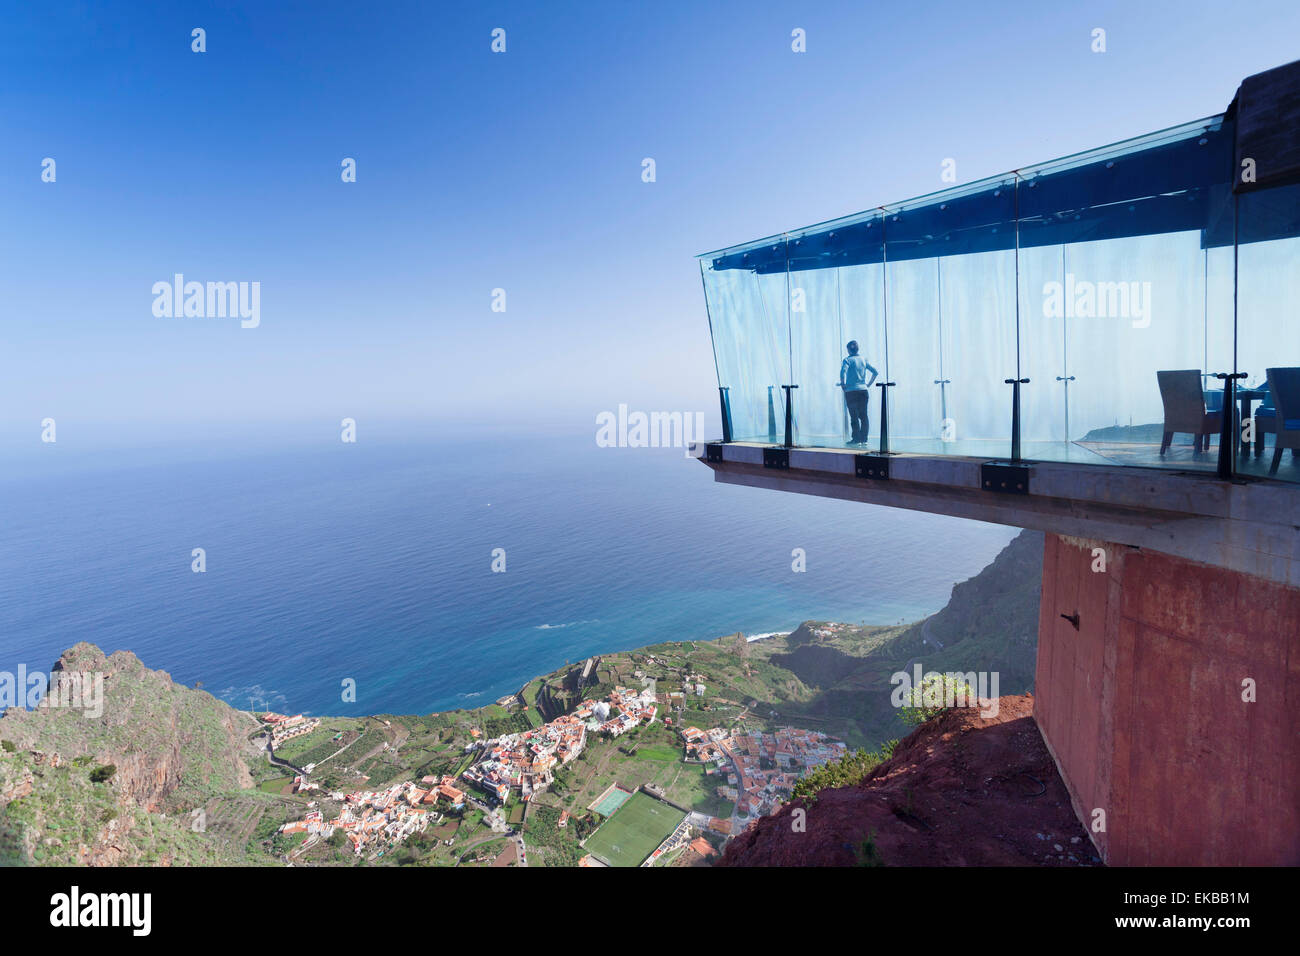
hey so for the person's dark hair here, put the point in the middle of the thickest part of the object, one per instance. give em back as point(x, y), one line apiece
point(853, 347)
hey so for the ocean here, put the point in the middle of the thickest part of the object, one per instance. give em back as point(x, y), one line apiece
point(372, 562)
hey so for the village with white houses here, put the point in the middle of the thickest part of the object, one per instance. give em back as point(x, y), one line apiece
point(760, 769)
point(754, 771)
point(523, 762)
point(526, 762)
point(379, 819)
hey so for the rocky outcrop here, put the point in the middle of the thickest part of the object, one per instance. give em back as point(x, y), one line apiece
point(962, 790)
point(164, 739)
point(89, 775)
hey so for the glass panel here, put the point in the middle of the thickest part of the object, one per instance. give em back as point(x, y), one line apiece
point(745, 290)
point(913, 327)
point(1268, 325)
point(862, 293)
point(836, 296)
point(1042, 352)
point(1123, 315)
point(951, 277)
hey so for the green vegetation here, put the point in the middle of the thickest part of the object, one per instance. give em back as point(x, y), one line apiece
point(845, 772)
point(484, 853)
point(275, 784)
point(661, 754)
point(515, 723)
point(320, 743)
point(866, 852)
point(558, 845)
point(464, 763)
point(935, 694)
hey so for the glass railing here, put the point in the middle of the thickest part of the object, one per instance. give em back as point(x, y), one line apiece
point(1089, 309)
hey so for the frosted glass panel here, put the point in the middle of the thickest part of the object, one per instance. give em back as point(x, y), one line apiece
point(748, 318)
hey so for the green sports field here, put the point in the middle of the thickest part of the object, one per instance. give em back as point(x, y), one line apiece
point(634, 831)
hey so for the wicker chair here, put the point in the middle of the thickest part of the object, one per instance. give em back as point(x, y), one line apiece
point(1185, 411)
point(1284, 390)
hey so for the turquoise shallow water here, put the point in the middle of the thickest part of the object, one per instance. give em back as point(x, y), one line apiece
point(372, 562)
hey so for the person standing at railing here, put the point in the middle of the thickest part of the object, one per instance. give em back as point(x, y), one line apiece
point(857, 389)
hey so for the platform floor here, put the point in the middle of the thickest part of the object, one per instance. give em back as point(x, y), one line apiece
point(1181, 455)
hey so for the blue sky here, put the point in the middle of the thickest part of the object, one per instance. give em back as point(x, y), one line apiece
point(519, 171)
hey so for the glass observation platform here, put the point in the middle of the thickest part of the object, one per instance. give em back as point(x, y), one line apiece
point(1123, 306)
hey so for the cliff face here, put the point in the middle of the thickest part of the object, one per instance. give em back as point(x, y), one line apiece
point(991, 620)
point(989, 624)
point(170, 749)
point(962, 790)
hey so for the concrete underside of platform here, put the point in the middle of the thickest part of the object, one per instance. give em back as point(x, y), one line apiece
point(1248, 525)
